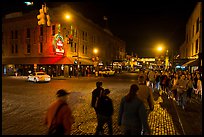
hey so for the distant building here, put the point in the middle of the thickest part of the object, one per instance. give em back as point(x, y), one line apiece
point(191, 49)
point(64, 46)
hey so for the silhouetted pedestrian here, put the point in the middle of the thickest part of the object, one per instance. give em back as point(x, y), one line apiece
point(105, 112)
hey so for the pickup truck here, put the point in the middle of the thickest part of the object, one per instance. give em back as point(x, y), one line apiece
point(106, 72)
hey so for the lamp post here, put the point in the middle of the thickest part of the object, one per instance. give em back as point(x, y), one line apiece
point(166, 55)
point(70, 41)
point(96, 59)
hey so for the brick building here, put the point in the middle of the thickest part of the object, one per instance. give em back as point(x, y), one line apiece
point(191, 49)
point(63, 48)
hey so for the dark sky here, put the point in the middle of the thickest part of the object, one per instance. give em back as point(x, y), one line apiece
point(142, 25)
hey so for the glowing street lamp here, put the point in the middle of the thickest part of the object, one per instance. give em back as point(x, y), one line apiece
point(96, 59)
point(159, 48)
point(95, 50)
point(68, 16)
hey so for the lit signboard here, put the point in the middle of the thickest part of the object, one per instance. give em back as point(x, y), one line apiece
point(58, 44)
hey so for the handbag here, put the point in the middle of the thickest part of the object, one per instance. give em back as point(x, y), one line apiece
point(55, 129)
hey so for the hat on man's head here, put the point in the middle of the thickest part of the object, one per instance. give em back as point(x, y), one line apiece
point(99, 83)
point(62, 92)
point(106, 91)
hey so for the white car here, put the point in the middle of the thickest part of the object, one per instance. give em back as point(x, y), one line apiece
point(39, 76)
point(107, 72)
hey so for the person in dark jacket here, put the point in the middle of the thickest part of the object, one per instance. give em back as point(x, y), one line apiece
point(132, 114)
point(105, 112)
point(96, 94)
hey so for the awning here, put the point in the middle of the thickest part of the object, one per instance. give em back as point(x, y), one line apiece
point(45, 60)
point(38, 60)
point(84, 61)
point(191, 63)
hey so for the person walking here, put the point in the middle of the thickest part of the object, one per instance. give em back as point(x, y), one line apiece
point(132, 114)
point(189, 87)
point(199, 86)
point(60, 115)
point(151, 76)
point(181, 91)
point(105, 112)
point(145, 94)
point(96, 94)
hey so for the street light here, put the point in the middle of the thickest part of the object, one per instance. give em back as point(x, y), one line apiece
point(95, 50)
point(160, 49)
point(70, 40)
point(96, 59)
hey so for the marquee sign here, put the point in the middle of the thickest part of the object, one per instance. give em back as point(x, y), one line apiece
point(58, 44)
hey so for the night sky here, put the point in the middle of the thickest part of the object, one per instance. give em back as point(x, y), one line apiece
point(142, 25)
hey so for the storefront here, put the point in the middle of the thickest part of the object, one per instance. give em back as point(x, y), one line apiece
point(54, 66)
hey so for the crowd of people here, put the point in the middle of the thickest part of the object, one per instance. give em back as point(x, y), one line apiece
point(179, 86)
point(134, 107)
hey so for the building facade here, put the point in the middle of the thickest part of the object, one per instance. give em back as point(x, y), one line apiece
point(63, 48)
point(192, 47)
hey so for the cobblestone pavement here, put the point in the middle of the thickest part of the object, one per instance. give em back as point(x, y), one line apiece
point(163, 119)
point(159, 119)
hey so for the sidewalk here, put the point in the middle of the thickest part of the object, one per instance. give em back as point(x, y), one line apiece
point(75, 77)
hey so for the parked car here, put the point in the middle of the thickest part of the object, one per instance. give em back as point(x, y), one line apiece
point(106, 72)
point(39, 77)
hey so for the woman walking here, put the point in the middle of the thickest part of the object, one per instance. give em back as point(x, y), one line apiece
point(132, 114)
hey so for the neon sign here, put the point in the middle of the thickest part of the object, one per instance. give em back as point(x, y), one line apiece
point(58, 44)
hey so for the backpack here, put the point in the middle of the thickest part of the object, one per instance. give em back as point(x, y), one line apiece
point(56, 129)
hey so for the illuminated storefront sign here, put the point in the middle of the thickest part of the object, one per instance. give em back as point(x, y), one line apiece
point(58, 44)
